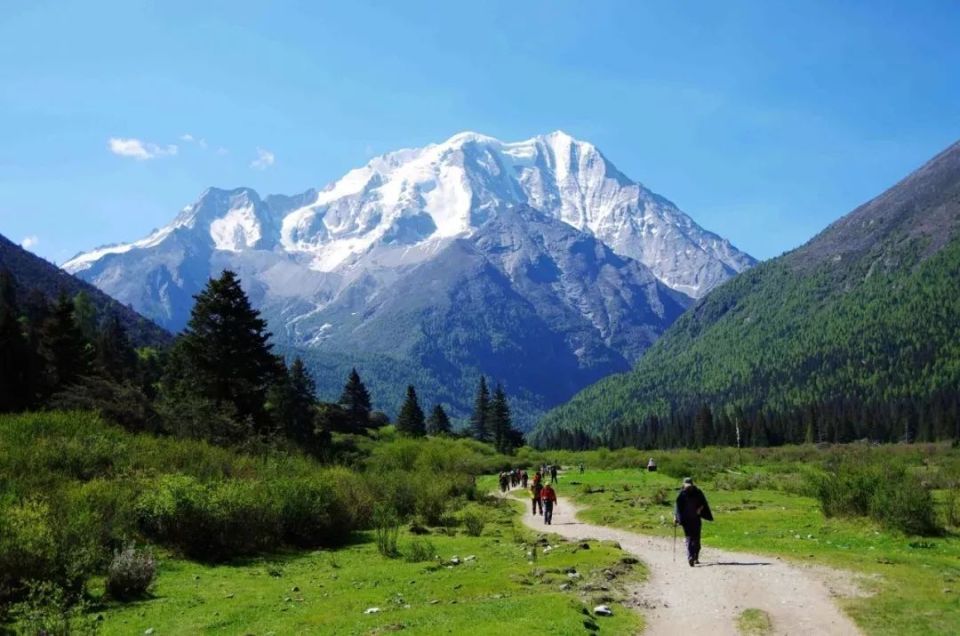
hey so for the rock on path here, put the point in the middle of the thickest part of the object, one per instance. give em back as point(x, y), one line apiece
point(707, 599)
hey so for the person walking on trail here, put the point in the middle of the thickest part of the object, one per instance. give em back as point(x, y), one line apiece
point(581, 468)
point(691, 508)
point(524, 479)
point(553, 474)
point(536, 490)
point(504, 482)
point(651, 466)
point(549, 498)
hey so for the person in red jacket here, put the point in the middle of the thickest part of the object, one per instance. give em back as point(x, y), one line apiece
point(548, 497)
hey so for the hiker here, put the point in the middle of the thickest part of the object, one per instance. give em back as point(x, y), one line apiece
point(549, 498)
point(691, 508)
point(504, 482)
point(536, 490)
point(538, 477)
point(553, 474)
point(524, 478)
point(651, 466)
point(581, 468)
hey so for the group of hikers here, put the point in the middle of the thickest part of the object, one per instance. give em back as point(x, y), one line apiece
point(689, 512)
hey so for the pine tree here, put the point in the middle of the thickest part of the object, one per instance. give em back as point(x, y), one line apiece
point(66, 355)
point(356, 400)
point(438, 423)
point(115, 356)
point(505, 437)
point(15, 389)
point(223, 356)
point(703, 427)
point(410, 421)
point(479, 421)
point(292, 402)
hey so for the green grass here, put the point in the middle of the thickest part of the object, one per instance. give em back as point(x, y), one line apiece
point(913, 584)
point(500, 591)
point(754, 622)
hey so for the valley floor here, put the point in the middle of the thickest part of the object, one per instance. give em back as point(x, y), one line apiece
point(710, 598)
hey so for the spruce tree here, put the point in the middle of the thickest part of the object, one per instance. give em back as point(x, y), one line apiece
point(438, 423)
point(224, 356)
point(505, 438)
point(411, 421)
point(479, 421)
point(65, 353)
point(293, 402)
point(356, 401)
point(15, 389)
point(115, 356)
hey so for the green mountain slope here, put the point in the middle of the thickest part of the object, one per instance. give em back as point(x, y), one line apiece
point(33, 275)
point(856, 333)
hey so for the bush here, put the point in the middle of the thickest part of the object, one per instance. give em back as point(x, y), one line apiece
point(474, 523)
point(883, 491)
point(50, 610)
point(420, 550)
point(387, 527)
point(130, 573)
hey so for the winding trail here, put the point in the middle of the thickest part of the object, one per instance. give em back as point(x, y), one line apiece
point(707, 599)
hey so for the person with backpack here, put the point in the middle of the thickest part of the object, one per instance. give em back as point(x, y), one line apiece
point(549, 499)
point(553, 474)
point(690, 509)
point(504, 482)
point(536, 490)
point(524, 478)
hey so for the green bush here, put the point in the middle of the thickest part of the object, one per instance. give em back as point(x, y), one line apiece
point(387, 529)
point(474, 523)
point(420, 550)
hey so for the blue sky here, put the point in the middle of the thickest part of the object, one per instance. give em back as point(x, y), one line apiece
point(763, 120)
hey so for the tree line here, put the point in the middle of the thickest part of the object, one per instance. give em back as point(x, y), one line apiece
point(219, 381)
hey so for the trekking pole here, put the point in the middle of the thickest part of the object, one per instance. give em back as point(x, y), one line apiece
point(674, 542)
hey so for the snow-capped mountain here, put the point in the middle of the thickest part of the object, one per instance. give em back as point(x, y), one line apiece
point(600, 263)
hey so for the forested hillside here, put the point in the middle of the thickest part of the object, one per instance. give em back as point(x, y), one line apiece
point(853, 335)
point(35, 280)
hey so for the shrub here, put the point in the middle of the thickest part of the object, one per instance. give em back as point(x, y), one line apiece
point(130, 573)
point(420, 550)
point(474, 522)
point(387, 527)
point(52, 611)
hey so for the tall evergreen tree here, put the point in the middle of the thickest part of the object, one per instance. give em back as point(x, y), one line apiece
point(293, 402)
point(65, 352)
point(15, 385)
point(115, 356)
point(411, 421)
point(479, 421)
point(223, 356)
point(703, 427)
point(438, 423)
point(355, 399)
point(505, 437)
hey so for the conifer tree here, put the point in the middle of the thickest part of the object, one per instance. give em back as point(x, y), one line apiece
point(438, 423)
point(499, 422)
point(479, 421)
point(411, 421)
point(293, 402)
point(224, 356)
point(115, 356)
point(66, 355)
point(703, 427)
point(15, 389)
point(355, 399)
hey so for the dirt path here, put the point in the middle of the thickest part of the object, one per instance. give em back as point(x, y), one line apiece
point(707, 599)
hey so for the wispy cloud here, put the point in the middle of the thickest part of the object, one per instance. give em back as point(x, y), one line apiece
point(222, 151)
point(190, 139)
point(29, 242)
point(264, 159)
point(140, 150)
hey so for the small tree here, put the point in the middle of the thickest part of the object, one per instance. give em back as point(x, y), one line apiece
point(479, 421)
point(411, 421)
point(356, 400)
point(438, 423)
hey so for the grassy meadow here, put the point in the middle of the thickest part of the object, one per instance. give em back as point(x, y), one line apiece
point(769, 505)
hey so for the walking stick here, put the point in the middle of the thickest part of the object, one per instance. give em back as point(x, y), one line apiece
point(674, 541)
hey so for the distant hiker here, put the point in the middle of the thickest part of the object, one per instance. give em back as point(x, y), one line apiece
point(504, 482)
point(691, 507)
point(553, 474)
point(536, 491)
point(524, 478)
point(652, 466)
point(549, 498)
point(581, 468)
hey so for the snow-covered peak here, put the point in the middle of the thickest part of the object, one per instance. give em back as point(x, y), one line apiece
point(421, 197)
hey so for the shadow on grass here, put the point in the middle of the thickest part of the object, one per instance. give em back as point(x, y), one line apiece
point(715, 563)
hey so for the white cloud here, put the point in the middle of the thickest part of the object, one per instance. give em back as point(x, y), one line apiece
point(140, 150)
point(190, 139)
point(186, 137)
point(29, 242)
point(264, 159)
point(222, 151)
